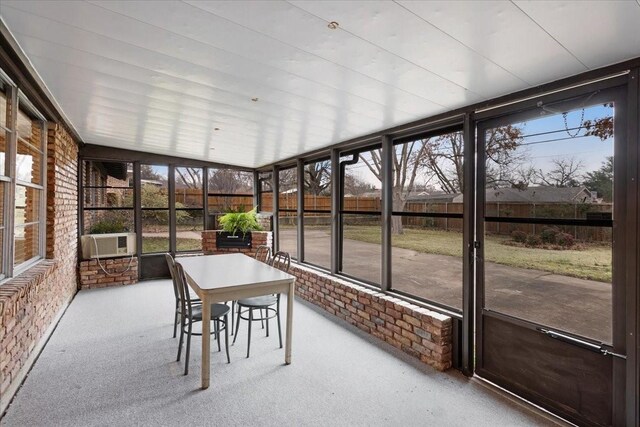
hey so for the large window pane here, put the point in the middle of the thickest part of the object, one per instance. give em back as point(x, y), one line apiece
point(29, 164)
point(4, 129)
point(317, 215)
point(155, 231)
point(288, 233)
point(317, 239)
point(288, 185)
point(155, 189)
point(189, 187)
point(27, 243)
point(108, 221)
point(27, 205)
point(361, 247)
point(189, 224)
point(229, 190)
point(427, 262)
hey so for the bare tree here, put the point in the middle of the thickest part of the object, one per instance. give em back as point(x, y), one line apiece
point(564, 173)
point(189, 177)
point(230, 181)
point(317, 177)
point(442, 158)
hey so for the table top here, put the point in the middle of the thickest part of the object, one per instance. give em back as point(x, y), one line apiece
point(227, 271)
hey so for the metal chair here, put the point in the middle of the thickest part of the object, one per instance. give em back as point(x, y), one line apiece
point(193, 313)
point(281, 260)
point(263, 253)
point(194, 299)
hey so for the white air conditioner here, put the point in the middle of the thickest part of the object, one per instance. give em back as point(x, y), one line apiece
point(108, 245)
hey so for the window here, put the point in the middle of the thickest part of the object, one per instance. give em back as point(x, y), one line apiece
point(228, 190)
point(154, 194)
point(426, 226)
point(287, 211)
point(317, 213)
point(22, 181)
point(360, 221)
point(108, 197)
point(189, 208)
point(265, 192)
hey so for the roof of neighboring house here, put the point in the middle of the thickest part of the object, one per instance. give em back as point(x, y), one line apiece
point(539, 195)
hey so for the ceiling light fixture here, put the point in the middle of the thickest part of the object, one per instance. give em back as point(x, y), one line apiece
point(254, 99)
point(333, 25)
point(216, 128)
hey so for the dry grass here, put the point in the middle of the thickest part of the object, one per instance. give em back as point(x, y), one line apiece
point(590, 262)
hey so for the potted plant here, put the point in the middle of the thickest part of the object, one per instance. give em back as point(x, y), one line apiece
point(237, 228)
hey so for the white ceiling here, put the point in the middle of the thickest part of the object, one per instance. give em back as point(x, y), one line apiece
point(161, 76)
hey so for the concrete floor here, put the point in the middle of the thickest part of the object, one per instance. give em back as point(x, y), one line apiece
point(111, 361)
point(567, 303)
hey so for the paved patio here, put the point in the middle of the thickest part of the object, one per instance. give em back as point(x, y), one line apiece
point(575, 305)
point(111, 361)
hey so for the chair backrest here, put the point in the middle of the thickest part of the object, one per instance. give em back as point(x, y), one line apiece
point(183, 289)
point(172, 270)
point(281, 260)
point(263, 253)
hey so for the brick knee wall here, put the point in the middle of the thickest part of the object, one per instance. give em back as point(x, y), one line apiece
point(30, 302)
point(122, 271)
point(421, 333)
point(258, 238)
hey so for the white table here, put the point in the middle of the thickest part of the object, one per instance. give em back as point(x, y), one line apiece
point(219, 278)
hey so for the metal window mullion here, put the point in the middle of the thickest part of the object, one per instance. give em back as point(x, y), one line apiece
point(10, 194)
point(172, 210)
point(300, 196)
point(256, 190)
point(137, 216)
point(468, 236)
point(205, 198)
point(336, 202)
point(275, 200)
point(29, 144)
point(387, 209)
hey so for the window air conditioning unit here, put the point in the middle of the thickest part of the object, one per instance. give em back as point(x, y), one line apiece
point(108, 245)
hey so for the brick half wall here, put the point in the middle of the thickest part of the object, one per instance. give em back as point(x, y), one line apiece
point(421, 333)
point(258, 238)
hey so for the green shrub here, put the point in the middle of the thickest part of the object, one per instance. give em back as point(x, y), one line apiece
point(533, 240)
point(565, 240)
point(519, 236)
point(108, 226)
point(549, 234)
point(243, 222)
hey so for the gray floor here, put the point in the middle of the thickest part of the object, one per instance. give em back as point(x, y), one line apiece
point(111, 361)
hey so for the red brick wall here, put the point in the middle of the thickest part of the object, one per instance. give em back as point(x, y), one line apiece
point(421, 333)
point(258, 238)
point(122, 271)
point(30, 302)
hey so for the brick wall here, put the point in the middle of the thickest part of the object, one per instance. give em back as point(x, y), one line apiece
point(121, 271)
point(258, 238)
point(421, 333)
point(30, 302)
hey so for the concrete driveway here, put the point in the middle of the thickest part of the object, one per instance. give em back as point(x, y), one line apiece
point(571, 304)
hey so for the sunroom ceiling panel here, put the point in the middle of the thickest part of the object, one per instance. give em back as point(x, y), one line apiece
point(598, 33)
point(423, 44)
point(501, 32)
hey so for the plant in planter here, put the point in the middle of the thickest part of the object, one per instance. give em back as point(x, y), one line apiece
point(237, 228)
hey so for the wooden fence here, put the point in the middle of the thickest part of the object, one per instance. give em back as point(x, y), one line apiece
point(373, 204)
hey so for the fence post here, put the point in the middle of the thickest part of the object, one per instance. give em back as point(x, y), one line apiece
point(534, 215)
point(498, 215)
point(446, 219)
point(575, 215)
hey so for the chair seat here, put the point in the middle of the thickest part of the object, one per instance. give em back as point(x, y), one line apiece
point(257, 302)
point(217, 311)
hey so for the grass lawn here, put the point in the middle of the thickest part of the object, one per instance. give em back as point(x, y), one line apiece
point(592, 263)
point(161, 244)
